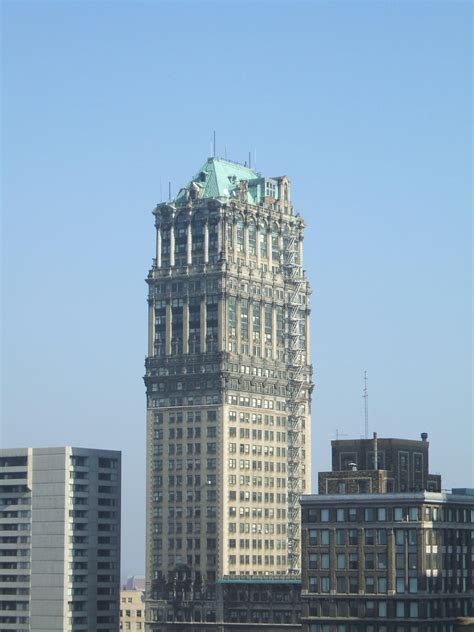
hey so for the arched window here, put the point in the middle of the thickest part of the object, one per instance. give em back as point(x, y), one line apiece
point(263, 240)
point(275, 244)
point(198, 238)
point(180, 240)
point(229, 236)
point(252, 239)
point(240, 235)
point(213, 234)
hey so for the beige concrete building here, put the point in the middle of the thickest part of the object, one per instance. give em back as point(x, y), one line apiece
point(132, 610)
point(228, 380)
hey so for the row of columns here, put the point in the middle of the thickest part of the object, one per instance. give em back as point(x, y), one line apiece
point(189, 244)
point(223, 336)
point(222, 245)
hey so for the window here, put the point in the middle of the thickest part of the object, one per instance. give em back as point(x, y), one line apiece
point(398, 514)
point(313, 584)
point(324, 584)
point(325, 561)
point(341, 584)
point(369, 585)
point(353, 536)
point(353, 585)
point(353, 561)
point(312, 536)
point(382, 585)
point(341, 561)
point(369, 561)
point(324, 515)
point(381, 561)
point(340, 515)
point(369, 537)
point(325, 537)
point(340, 536)
point(313, 561)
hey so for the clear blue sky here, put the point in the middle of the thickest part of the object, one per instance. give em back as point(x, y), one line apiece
point(367, 106)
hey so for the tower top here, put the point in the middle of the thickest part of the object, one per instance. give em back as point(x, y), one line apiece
point(219, 178)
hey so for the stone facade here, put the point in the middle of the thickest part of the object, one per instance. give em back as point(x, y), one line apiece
point(228, 389)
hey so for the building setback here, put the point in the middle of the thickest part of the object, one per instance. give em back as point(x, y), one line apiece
point(377, 561)
point(59, 539)
point(228, 391)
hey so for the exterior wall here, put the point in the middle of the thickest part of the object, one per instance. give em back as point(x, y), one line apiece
point(222, 296)
point(68, 508)
point(49, 539)
point(387, 562)
point(354, 482)
point(407, 461)
point(132, 610)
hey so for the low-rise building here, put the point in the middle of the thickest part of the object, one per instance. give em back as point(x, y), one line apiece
point(132, 610)
point(398, 561)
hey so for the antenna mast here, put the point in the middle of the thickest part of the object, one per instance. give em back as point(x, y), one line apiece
point(366, 405)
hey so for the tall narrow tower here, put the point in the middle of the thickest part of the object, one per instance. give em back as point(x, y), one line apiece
point(228, 381)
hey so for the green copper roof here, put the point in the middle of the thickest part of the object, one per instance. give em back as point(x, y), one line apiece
point(219, 178)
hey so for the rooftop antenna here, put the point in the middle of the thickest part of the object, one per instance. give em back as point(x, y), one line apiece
point(339, 434)
point(214, 145)
point(366, 405)
point(169, 191)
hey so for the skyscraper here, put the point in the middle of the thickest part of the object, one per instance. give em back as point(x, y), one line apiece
point(59, 539)
point(228, 381)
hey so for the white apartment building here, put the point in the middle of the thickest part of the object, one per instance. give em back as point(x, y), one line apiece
point(59, 539)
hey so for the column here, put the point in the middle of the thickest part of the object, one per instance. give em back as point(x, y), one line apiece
point(158, 246)
point(391, 562)
point(262, 329)
point(189, 245)
point(151, 327)
point(168, 330)
point(257, 238)
point(206, 242)
point(219, 239)
point(280, 246)
point(172, 245)
point(274, 331)
point(234, 238)
point(237, 323)
point(269, 248)
point(246, 242)
point(308, 339)
point(221, 326)
point(223, 224)
point(203, 326)
point(250, 318)
point(300, 249)
point(186, 327)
